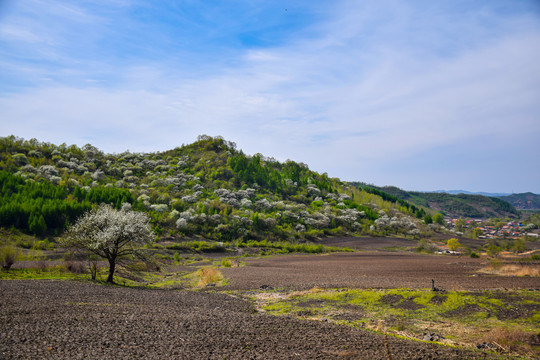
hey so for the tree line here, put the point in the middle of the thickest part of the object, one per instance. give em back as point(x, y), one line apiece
point(41, 207)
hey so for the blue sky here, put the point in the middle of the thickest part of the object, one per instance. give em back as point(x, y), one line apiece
point(424, 95)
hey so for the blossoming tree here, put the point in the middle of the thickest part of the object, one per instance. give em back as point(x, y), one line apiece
point(110, 233)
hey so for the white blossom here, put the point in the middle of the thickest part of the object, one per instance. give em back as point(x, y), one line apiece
point(313, 189)
point(28, 169)
point(181, 223)
point(246, 203)
point(159, 208)
point(110, 233)
point(55, 179)
point(126, 206)
point(98, 175)
point(48, 171)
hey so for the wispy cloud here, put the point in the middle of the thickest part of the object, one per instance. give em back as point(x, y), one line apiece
point(383, 93)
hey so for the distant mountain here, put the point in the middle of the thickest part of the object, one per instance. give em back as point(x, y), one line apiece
point(456, 205)
point(455, 192)
point(523, 201)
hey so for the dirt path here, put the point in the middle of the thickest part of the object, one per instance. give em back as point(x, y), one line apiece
point(72, 320)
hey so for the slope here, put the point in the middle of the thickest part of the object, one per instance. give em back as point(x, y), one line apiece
point(460, 205)
point(206, 189)
point(523, 201)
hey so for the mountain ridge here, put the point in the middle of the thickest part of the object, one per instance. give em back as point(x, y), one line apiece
point(459, 205)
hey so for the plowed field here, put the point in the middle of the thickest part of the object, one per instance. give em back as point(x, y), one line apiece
point(74, 320)
point(372, 270)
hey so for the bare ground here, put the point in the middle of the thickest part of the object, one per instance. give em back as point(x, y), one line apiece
point(78, 320)
point(371, 270)
point(81, 320)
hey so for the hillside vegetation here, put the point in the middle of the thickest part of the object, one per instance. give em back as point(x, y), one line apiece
point(460, 205)
point(206, 189)
point(523, 201)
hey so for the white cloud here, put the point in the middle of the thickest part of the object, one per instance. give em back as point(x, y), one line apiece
point(376, 87)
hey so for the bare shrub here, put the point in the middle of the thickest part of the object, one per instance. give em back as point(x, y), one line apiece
point(41, 264)
point(152, 265)
point(75, 266)
point(93, 265)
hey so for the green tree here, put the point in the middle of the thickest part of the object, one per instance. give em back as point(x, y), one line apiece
point(476, 232)
point(36, 224)
point(460, 224)
point(438, 218)
point(428, 219)
point(493, 250)
point(519, 246)
point(453, 244)
point(110, 234)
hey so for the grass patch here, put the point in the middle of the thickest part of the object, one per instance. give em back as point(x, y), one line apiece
point(229, 262)
point(284, 247)
point(198, 246)
point(509, 318)
point(51, 273)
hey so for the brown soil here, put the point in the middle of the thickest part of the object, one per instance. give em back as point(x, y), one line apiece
point(465, 310)
point(409, 304)
point(371, 269)
point(391, 299)
point(438, 299)
point(518, 311)
point(74, 320)
point(370, 243)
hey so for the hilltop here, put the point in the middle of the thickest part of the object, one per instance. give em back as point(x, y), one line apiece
point(207, 189)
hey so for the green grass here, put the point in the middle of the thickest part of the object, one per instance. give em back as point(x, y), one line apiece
point(198, 246)
point(285, 247)
point(461, 317)
point(55, 273)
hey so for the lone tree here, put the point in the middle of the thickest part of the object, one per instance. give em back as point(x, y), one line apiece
point(453, 244)
point(110, 234)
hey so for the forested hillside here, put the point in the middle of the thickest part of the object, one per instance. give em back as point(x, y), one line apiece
point(460, 205)
point(524, 201)
point(208, 189)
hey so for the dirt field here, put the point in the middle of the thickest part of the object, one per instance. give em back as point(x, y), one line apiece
point(371, 270)
point(81, 320)
point(74, 320)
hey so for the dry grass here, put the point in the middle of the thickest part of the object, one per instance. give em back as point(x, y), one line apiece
point(313, 290)
point(510, 340)
point(512, 270)
point(207, 276)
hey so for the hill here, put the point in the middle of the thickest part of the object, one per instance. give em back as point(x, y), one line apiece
point(523, 201)
point(459, 205)
point(207, 189)
point(455, 192)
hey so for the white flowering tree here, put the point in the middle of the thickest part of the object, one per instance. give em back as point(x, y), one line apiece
point(110, 234)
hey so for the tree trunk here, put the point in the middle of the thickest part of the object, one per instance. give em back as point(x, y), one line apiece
point(112, 265)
